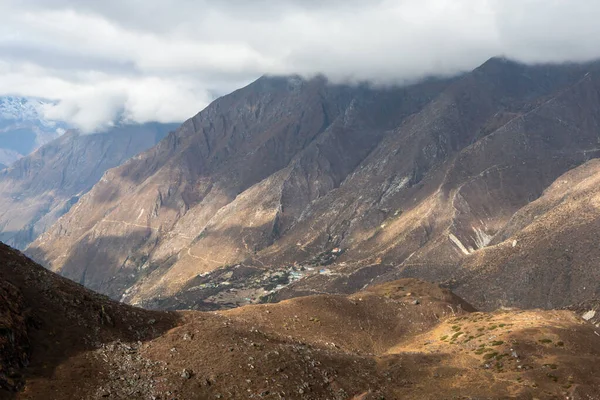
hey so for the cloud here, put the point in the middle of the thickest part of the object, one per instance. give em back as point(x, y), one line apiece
point(143, 60)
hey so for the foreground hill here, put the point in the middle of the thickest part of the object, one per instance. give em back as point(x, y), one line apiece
point(39, 188)
point(404, 339)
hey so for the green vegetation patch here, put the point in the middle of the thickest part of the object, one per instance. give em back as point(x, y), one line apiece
point(456, 335)
point(489, 356)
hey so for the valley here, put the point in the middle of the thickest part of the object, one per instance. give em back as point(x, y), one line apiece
point(293, 199)
point(304, 239)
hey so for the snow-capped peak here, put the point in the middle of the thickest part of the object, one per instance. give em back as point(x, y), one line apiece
point(21, 108)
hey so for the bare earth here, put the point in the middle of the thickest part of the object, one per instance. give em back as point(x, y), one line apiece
point(403, 339)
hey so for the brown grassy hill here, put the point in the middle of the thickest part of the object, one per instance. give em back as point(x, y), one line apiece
point(47, 321)
point(404, 339)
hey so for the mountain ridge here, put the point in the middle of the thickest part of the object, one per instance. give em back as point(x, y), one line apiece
point(409, 181)
point(215, 196)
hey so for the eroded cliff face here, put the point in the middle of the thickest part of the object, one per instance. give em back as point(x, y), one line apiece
point(41, 187)
point(410, 180)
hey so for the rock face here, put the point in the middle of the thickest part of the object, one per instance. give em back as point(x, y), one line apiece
point(14, 340)
point(410, 182)
point(402, 339)
point(39, 188)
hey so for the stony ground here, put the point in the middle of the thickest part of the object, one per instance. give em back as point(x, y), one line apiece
point(404, 339)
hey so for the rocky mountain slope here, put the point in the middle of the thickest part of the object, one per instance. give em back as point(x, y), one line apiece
point(277, 138)
point(554, 237)
point(23, 127)
point(403, 339)
point(39, 188)
point(293, 175)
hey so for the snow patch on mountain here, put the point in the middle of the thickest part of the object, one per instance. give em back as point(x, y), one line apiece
point(23, 127)
point(25, 109)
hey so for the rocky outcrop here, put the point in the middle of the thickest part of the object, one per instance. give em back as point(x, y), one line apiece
point(14, 339)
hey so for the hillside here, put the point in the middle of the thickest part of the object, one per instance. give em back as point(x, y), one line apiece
point(404, 339)
point(272, 178)
point(39, 188)
point(259, 155)
point(554, 237)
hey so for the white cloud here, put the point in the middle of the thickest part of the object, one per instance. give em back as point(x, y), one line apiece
point(160, 60)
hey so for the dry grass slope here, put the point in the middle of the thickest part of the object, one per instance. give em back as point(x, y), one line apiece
point(403, 339)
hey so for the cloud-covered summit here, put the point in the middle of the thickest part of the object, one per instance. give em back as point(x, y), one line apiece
point(143, 60)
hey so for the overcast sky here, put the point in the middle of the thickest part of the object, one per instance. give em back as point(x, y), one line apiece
point(166, 59)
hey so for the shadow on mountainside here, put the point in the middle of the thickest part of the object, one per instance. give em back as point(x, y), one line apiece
point(95, 263)
point(52, 321)
point(99, 264)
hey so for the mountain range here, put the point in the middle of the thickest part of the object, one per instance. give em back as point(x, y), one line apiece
point(301, 238)
point(292, 186)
